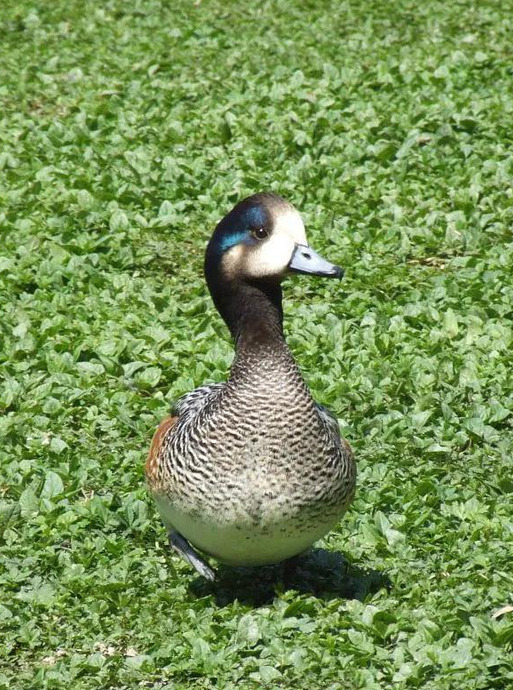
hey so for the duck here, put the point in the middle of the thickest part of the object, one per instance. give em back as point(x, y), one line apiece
point(252, 471)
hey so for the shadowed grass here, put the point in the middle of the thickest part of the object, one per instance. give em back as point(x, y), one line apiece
point(324, 574)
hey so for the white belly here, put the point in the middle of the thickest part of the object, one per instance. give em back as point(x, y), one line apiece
point(236, 539)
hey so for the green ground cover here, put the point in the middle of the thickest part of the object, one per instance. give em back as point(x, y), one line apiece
point(127, 130)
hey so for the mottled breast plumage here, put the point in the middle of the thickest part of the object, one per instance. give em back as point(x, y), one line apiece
point(253, 454)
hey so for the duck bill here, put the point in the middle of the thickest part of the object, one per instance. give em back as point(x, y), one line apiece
point(305, 260)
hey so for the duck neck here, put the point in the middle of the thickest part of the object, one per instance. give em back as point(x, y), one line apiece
point(253, 313)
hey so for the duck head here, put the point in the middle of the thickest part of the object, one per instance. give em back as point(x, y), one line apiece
point(263, 237)
point(260, 241)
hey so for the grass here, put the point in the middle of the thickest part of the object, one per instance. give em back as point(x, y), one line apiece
point(127, 130)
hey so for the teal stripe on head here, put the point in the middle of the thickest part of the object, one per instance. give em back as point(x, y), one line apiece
point(228, 241)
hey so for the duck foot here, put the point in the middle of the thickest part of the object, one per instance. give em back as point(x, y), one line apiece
point(190, 556)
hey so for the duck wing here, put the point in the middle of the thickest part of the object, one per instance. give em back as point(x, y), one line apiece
point(329, 419)
point(152, 460)
point(333, 429)
point(191, 404)
point(185, 409)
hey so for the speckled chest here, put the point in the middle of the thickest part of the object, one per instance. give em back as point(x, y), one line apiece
point(257, 452)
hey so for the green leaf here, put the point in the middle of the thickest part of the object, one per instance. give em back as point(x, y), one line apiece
point(118, 221)
point(90, 369)
point(52, 486)
point(57, 445)
point(29, 502)
point(451, 324)
point(5, 613)
point(248, 631)
point(148, 378)
point(419, 419)
point(266, 674)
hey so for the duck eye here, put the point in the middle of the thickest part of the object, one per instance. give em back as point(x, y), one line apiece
point(260, 233)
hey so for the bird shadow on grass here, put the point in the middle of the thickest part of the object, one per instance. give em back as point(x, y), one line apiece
point(324, 574)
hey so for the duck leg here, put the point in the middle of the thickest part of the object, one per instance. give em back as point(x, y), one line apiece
point(190, 556)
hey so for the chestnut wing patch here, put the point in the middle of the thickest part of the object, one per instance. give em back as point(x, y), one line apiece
point(152, 461)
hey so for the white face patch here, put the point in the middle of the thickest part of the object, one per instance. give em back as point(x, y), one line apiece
point(289, 223)
point(271, 257)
